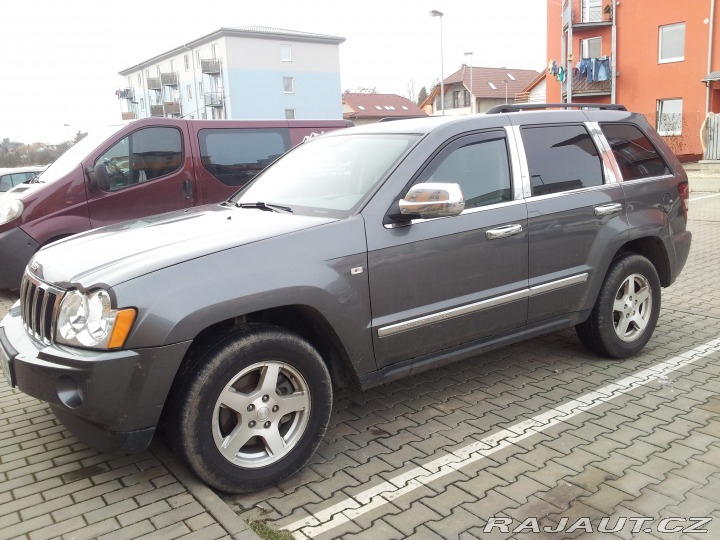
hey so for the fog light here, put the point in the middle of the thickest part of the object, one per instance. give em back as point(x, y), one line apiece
point(69, 392)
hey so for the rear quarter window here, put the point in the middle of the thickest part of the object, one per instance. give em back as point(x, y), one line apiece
point(635, 154)
point(235, 156)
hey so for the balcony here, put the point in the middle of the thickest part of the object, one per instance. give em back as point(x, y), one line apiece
point(172, 107)
point(153, 83)
point(213, 99)
point(210, 66)
point(129, 116)
point(599, 14)
point(588, 89)
point(157, 110)
point(169, 79)
point(126, 93)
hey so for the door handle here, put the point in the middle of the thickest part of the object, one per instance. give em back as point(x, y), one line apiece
point(608, 209)
point(503, 232)
point(187, 189)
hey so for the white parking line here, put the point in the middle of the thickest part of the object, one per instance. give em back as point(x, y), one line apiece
point(704, 197)
point(347, 510)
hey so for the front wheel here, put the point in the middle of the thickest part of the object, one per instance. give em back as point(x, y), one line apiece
point(626, 311)
point(253, 410)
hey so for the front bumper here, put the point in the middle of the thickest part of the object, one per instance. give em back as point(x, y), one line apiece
point(17, 248)
point(111, 400)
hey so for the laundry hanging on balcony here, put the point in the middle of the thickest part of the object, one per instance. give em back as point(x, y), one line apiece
point(594, 69)
point(556, 70)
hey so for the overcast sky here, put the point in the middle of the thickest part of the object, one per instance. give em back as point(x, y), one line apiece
point(59, 59)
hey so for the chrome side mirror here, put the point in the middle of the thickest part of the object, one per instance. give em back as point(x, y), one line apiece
point(433, 200)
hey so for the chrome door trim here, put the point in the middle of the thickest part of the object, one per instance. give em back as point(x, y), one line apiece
point(440, 316)
point(608, 209)
point(559, 284)
point(503, 232)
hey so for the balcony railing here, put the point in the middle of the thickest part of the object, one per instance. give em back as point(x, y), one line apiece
point(129, 116)
point(126, 93)
point(172, 107)
point(584, 88)
point(169, 79)
point(157, 110)
point(154, 83)
point(211, 65)
point(213, 99)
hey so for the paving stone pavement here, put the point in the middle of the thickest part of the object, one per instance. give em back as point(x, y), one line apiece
point(651, 451)
point(54, 486)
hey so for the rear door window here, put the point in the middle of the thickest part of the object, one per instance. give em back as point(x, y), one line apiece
point(635, 154)
point(561, 158)
point(235, 156)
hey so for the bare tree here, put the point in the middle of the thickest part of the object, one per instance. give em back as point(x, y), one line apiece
point(410, 90)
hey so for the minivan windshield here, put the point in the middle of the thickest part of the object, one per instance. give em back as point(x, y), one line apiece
point(74, 155)
point(330, 176)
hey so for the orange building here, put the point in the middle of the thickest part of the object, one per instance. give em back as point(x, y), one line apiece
point(657, 57)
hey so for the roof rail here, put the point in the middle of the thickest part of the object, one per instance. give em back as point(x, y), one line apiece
point(498, 109)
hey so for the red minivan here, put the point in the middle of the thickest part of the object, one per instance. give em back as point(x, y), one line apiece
point(137, 169)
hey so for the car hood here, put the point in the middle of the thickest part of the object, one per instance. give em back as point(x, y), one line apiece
point(116, 253)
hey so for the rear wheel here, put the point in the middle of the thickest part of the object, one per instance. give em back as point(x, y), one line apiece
point(626, 311)
point(253, 410)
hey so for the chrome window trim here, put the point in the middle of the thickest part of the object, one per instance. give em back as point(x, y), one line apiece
point(433, 318)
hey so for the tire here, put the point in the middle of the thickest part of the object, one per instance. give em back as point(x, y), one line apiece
point(626, 311)
point(252, 410)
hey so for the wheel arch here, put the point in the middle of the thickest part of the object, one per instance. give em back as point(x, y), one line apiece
point(653, 249)
point(302, 320)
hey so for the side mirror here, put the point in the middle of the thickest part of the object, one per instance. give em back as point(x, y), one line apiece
point(433, 200)
point(102, 178)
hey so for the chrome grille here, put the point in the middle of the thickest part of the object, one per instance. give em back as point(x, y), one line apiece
point(39, 303)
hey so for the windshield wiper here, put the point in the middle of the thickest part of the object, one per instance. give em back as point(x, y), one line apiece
point(266, 206)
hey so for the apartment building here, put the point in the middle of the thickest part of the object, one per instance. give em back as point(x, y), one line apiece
point(657, 57)
point(239, 73)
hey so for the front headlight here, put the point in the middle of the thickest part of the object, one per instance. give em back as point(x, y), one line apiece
point(10, 211)
point(88, 320)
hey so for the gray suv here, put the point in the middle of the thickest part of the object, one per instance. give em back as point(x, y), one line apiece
point(362, 256)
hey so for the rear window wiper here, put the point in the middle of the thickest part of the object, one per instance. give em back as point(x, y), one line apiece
point(266, 206)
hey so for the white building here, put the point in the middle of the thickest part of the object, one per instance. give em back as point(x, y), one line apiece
point(239, 73)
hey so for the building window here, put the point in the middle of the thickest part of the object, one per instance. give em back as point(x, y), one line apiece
point(189, 92)
point(186, 60)
point(591, 11)
point(286, 53)
point(288, 86)
point(172, 66)
point(200, 89)
point(214, 55)
point(669, 117)
point(142, 104)
point(672, 43)
point(147, 73)
point(456, 99)
point(140, 80)
point(290, 114)
point(591, 48)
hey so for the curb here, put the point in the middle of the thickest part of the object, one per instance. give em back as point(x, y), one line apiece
point(227, 518)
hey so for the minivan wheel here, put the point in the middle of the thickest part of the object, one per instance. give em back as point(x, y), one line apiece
point(253, 410)
point(626, 311)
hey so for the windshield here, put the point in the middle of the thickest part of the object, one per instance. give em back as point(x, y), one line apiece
point(328, 176)
point(78, 152)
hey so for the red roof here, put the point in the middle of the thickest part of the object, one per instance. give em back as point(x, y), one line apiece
point(378, 106)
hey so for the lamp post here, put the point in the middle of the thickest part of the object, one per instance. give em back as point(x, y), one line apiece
point(436, 13)
point(505, 81)
point(472, 95)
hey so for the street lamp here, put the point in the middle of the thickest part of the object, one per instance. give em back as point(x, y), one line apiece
point(472, 96)
point(436, 13)
point(505, 81)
